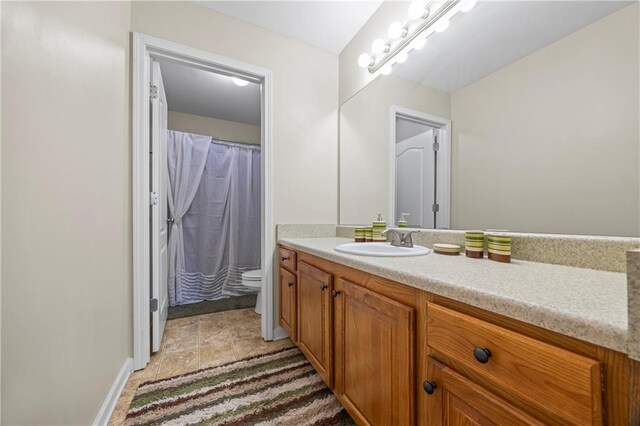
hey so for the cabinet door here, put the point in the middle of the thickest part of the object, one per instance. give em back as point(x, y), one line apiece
point(315, 326)
point(454, 400)
point(374, 356)
point(288, 309)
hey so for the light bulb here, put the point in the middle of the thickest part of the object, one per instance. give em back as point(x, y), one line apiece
point(402, 57)
point(386, 70)
point(441, 26)
point(239, 82)
point(419, 43)
point(364, 60)
point(416, 9)
point(467, 5)
point(378, 46)
point(395, 30)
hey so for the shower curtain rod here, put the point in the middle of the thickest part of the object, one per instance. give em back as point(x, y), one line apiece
point(231, 141)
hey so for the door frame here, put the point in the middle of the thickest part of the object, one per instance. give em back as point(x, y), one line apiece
point(144, 48)
point(443, 196)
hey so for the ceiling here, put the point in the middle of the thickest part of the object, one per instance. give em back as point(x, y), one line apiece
point(329, 25)
point(495, 34)
point(194, 91)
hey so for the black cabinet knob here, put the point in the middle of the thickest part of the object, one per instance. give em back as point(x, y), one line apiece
point(290, 283)
point(285, 258)
point(323, 287)
point(482, 355)
point(429, 387)
point(335, 293)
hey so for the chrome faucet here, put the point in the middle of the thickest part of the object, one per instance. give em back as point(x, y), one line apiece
point(399, 238)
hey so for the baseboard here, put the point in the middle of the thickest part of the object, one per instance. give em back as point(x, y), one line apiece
point(114, 394)
point(279, 333)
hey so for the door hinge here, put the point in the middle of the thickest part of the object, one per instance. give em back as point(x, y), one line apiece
point(153, 198)
point(153, 91)
point(153, 305)
point(436, 146)
point(435, 207)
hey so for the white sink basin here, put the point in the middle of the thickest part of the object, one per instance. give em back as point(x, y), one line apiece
point(381, 250)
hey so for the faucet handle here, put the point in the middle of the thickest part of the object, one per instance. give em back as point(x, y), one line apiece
point(396, 236)
point(406, 240)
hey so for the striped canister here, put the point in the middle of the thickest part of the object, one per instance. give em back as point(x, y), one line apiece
point(499, 245)
point(368, 233)
point(378, 227)
point(474, 244)
point(360, 234)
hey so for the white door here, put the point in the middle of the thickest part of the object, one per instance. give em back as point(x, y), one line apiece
point(159, 227)
point(415, 179)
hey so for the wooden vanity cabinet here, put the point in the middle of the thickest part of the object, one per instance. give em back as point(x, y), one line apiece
point(315, 319)
point(396, 355)
point(374, 356)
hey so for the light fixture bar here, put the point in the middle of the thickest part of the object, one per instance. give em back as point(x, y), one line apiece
point(404, 42)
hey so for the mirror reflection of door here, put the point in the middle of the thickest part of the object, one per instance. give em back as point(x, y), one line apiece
point(415, 173)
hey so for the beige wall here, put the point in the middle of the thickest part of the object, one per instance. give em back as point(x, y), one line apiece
point(365, 122)
point(66, 218)
point(550, 143)
point(305, 100)
point(209, 126)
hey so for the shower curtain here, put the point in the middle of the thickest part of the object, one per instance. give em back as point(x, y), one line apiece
point(221, 228)
point(186, 157)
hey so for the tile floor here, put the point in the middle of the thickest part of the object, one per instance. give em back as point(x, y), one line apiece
point(198, 342)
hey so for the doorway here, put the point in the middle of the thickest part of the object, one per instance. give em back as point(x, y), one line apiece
point(154, 258)
point(420, 169)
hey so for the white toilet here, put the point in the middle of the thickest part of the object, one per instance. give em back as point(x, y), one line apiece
point(253, 279)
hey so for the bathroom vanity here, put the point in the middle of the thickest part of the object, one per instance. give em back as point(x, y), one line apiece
point(450, 340)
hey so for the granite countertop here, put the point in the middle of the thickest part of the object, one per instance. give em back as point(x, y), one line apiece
point(582, 303)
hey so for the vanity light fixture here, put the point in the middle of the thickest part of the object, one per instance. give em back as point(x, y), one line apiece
point(424, 19)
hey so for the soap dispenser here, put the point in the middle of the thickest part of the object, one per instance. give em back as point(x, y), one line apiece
point(379, 225)
point(402, 223)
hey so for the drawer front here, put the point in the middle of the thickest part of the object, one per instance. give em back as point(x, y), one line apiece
point(288, 259)
point(565, 385)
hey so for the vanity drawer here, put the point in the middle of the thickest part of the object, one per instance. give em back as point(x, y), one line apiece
point(565, 385)
point(288, 259)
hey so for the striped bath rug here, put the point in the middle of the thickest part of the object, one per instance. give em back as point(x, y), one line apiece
point(277, 388)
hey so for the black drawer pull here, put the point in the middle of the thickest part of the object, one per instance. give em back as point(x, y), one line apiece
point(290, 283)
point(482, 355)
point(285, 258)
point(323, 287)
point(335, 293)
point(429, 387)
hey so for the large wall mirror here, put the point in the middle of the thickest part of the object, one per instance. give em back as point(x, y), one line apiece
point(523, 115)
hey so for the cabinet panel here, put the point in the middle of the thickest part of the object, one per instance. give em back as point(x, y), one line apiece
point(288, 305)
point(564, 384)
point(315, 325)
point(455, 400)
point(374, 357)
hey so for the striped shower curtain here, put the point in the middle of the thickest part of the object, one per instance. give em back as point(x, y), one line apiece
point(221, 228)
